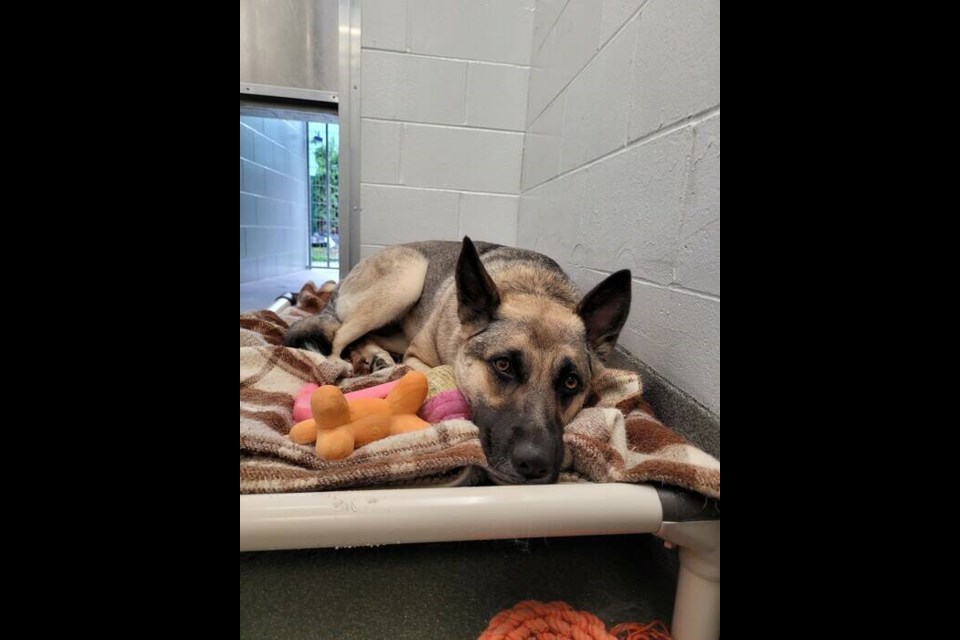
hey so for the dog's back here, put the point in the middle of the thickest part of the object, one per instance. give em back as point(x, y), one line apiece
point(511, 268)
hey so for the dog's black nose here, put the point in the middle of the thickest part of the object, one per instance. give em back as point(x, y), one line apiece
point(531, 462)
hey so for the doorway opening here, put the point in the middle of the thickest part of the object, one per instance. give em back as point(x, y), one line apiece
point(324, 157)
point(289, 197)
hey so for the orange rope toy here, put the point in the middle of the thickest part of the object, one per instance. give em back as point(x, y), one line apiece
point(533, 620)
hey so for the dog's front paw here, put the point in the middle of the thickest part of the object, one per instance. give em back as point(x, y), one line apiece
point(381, 361)
point(346, 369)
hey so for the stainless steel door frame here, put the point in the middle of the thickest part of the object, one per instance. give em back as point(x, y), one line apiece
point(247, 88)
point(350, 77)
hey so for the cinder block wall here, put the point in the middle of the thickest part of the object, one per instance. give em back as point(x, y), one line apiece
point(621, 168)
point(444, 104)
point(273, 197)
point(599, 118)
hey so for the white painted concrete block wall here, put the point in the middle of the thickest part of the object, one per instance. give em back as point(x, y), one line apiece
point(444, 106)
point(621, 168)
point(273, 197)
point(619, 101)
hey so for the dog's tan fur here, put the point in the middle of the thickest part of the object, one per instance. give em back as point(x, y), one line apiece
point(522, 348)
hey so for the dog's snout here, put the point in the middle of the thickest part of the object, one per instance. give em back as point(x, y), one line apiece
point(531, 462)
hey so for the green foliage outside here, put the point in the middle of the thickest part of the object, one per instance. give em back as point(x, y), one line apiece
point(324, 185)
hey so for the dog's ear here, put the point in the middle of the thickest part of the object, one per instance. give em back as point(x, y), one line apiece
point(477, 294)
point(604, 310)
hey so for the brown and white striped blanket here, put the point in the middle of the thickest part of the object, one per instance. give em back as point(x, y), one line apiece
point(616, 439)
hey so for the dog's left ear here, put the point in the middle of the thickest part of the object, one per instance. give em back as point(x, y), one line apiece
point(604, 310)
point(477, 295)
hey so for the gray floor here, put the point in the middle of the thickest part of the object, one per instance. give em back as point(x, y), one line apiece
point(449, 590)
point(261, 293)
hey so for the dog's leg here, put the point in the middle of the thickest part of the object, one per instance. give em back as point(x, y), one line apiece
point(353, 329)
point(376, 349)
point(378, 292)
point(394, 341)
point(416, 364)
point(374, 356)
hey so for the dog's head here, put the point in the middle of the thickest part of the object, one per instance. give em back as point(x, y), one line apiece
point(527, 362)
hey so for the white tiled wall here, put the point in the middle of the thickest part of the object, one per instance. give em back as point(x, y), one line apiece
point(444, 105)
point(585, 129)
point(490, 30)
point(273, 191)
point(621, 168)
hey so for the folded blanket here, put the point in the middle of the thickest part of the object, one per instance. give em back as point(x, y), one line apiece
point(616, 438)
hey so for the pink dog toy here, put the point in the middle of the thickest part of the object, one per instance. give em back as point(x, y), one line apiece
point(301, 405)
point(445, 403)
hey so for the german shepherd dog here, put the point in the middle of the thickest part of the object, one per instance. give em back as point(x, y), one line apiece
point(524, 350)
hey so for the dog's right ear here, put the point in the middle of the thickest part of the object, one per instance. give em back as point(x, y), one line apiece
point(477, 295)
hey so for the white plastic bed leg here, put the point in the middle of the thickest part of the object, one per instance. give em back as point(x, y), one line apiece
point(696, 611)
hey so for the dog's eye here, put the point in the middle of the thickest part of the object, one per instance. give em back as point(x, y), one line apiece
point(502, 365)
point(572, 383)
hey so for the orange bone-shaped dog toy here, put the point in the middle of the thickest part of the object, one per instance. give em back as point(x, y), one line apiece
point(339, 425)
